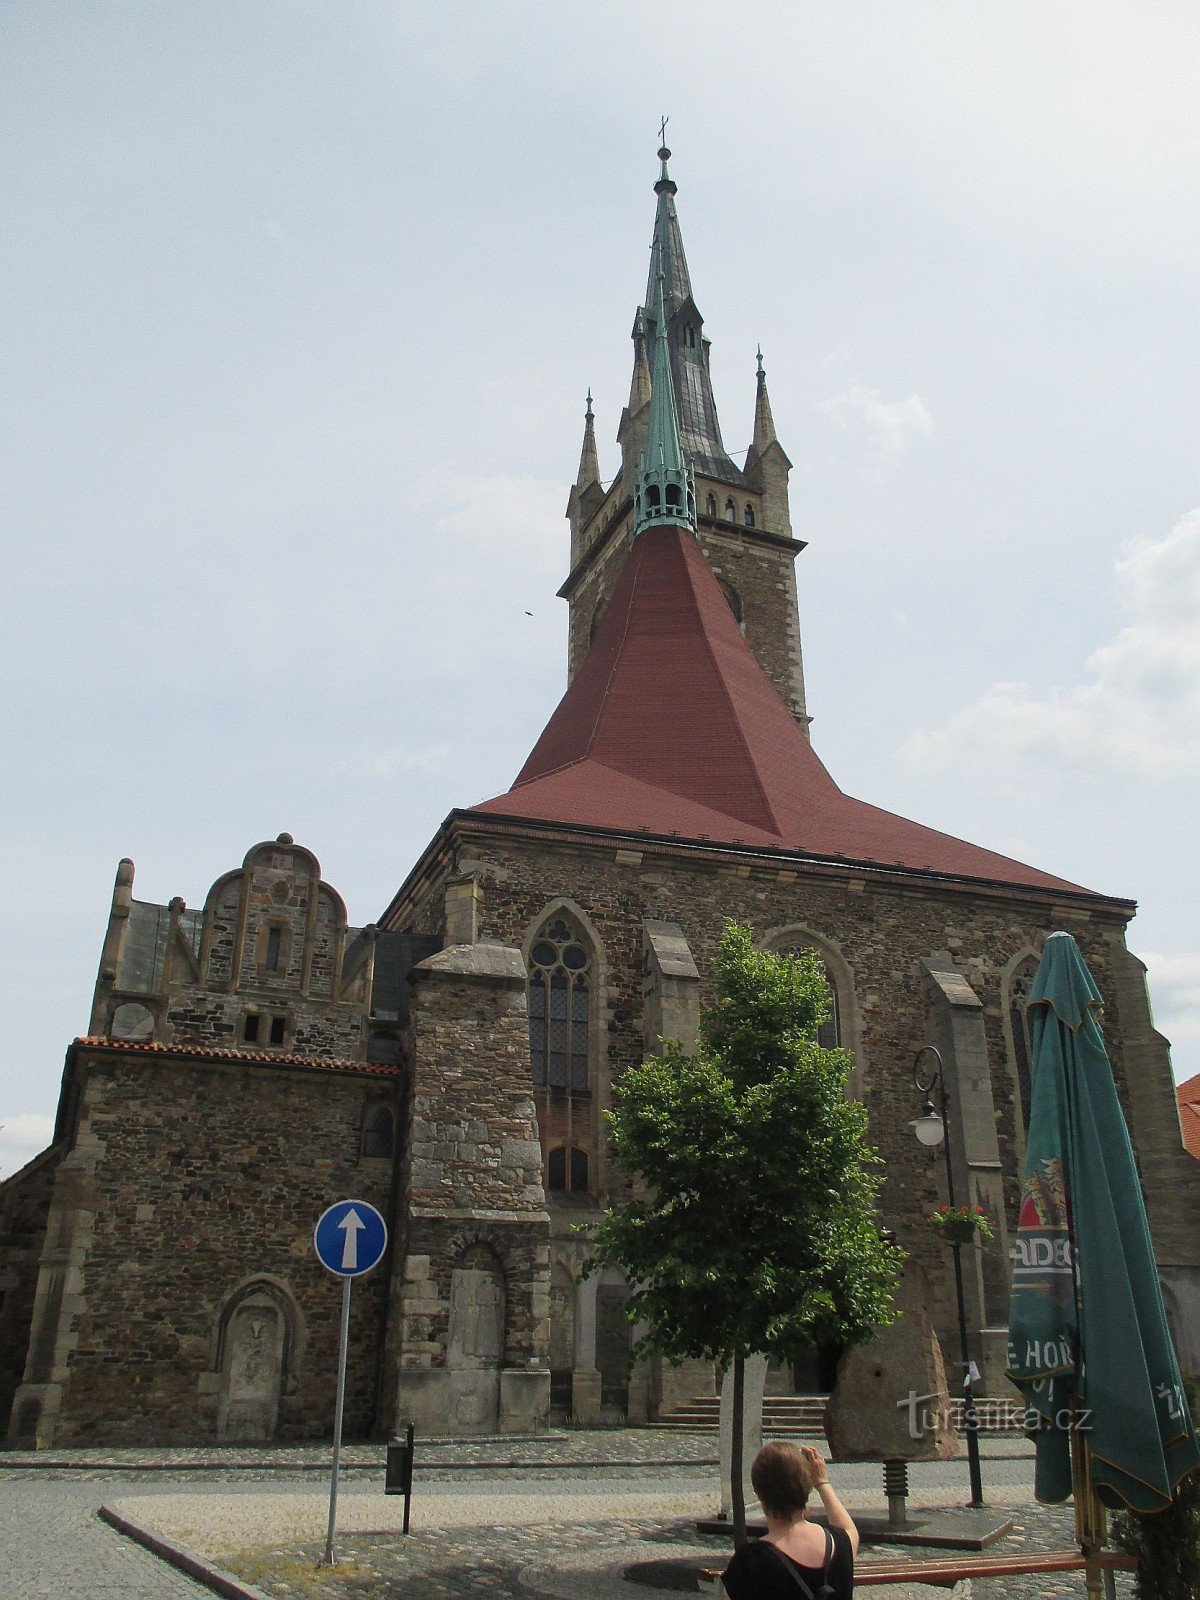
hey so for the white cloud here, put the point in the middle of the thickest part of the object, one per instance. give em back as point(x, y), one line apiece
point(1175, 995)
point(890, 428)
point(21, 1137)
point(1136, 716)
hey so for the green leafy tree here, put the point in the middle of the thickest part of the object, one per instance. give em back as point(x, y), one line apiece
point(754, 1225)
point(1166, 1544)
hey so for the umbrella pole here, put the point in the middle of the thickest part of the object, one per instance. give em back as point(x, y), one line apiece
point(1090, 1521)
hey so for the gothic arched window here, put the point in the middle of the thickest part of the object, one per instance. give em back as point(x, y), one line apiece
point(730, 511)
point(1019, 985)
point(560, 966)
point(562, 983)
point(829, 1034)
point(748, 515)
point(710, 506)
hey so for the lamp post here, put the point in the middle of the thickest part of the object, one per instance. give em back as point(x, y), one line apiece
point(930, 1129)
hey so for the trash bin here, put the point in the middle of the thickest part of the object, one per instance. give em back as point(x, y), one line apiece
point(398, 1474)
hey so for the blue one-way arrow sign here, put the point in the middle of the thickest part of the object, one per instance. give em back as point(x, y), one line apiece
point(350, 1238)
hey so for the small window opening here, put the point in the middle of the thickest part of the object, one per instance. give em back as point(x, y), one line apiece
point(579, 1169)
point(378, 1133)
point(710, 505)
point(730, 511)
point(732, 597)
point(748, 516)
point(691, 336)
point(652, 494)
point(672, 494)
point(567, 1168)
point(250, 1029)
point(274, 941)
point(278, 1029)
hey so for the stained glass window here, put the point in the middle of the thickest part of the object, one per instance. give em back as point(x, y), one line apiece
point(558, 1009)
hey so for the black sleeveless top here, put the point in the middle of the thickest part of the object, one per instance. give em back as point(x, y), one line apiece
point(757, 1573)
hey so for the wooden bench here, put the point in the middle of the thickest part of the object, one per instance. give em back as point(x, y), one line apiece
point(874, 1572)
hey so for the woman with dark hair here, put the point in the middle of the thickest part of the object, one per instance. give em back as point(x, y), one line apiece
point(797, 1558)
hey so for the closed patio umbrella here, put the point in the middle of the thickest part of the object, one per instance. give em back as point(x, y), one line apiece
point(1088, 1341)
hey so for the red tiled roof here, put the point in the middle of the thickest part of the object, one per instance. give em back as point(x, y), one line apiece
point(1188, 1096)
point(270, 1058)
point(671, 726)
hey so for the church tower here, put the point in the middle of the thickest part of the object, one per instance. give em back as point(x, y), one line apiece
point(741, 514)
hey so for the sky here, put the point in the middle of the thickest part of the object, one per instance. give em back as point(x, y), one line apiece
point(301, 304)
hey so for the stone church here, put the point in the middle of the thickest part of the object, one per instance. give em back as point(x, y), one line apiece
point(250, 1061)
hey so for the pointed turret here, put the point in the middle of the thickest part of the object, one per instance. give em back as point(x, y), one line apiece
point(589, 460)
point(586, 492)
point(665, 490)
point(767, 464)
point(682, 329)
point(764, 422)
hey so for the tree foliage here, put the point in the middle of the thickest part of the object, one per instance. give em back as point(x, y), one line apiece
point(1166, 1544)
point(754, 1226)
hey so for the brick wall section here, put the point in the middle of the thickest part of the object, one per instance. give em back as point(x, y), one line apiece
point(203, 1177)
point(24, 1205)
point(882, 926)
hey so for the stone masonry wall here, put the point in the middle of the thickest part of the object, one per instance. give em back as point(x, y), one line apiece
point(278, 891)
point(881, 928)
point(199, 1178)
point(474, 1196)
point(24, 1206)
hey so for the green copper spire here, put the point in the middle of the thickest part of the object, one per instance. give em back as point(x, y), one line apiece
point(666, 490)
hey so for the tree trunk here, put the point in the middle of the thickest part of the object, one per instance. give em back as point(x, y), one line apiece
point(737, 1493)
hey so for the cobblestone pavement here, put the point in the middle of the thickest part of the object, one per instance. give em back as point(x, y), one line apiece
point(580, 1508)
point(55, 1549)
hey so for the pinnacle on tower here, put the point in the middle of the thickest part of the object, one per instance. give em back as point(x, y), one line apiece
point(666, 490)
point(764, 422)
point(589, 460)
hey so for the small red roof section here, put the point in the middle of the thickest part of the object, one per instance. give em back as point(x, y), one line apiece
point(270, 1058)
point(670, 726)
point(1188, 1095)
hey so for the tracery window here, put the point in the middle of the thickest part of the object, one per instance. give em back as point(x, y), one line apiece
point(829, 1034)
point(562, 980)
point(558, 1008)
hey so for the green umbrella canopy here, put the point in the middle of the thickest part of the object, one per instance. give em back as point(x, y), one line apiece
point(1087, 1324)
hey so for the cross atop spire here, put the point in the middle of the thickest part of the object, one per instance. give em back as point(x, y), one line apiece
point(680, 317)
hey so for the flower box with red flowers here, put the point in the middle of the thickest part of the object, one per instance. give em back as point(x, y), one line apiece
point(960, 1224)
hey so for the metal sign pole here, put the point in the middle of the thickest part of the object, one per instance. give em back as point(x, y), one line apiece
point(337, 1419)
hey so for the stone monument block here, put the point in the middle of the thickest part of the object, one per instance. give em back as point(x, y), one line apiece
point(891, 1401)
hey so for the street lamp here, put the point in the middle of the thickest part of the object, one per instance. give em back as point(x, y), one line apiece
point(930, 1129)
